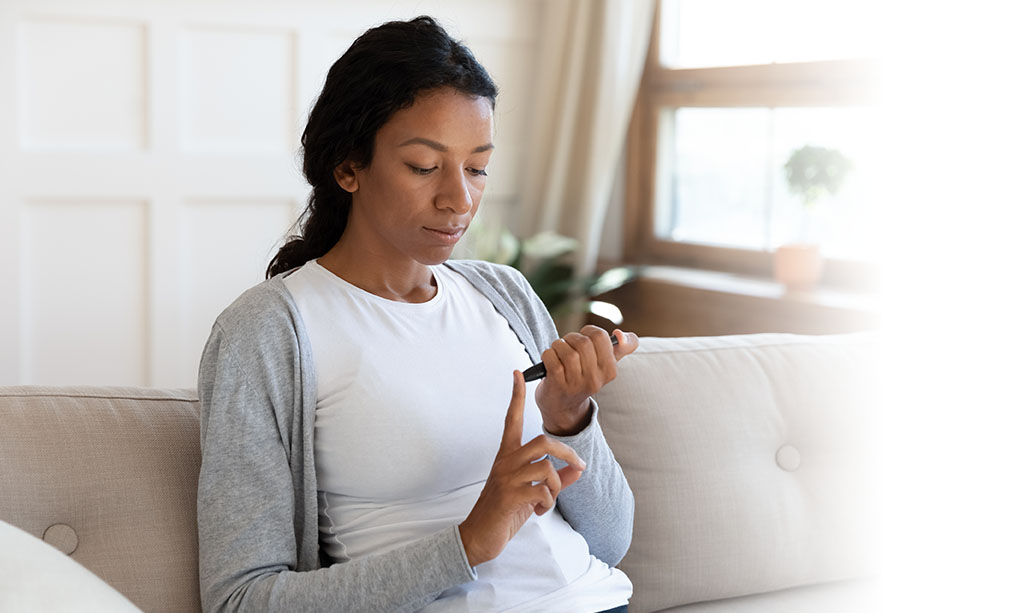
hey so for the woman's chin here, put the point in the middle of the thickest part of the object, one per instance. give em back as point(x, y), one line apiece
point(435, 256)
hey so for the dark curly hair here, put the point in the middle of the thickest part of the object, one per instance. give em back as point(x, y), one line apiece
point(381, 73)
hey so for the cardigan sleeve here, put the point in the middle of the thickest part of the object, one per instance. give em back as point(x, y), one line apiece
point(600, 504)
point(246, 509)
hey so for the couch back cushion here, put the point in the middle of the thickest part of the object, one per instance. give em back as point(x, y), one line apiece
point(108, 476)
point(748, 457)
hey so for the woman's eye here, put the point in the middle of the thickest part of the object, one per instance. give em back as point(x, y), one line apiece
point(421, 171)
point(477, 172)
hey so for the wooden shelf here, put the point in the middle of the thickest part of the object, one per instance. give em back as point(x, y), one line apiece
point(671, 301)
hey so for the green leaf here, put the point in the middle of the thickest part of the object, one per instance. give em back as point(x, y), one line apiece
point(552, 282)
point(517, 259)
point(610, 279)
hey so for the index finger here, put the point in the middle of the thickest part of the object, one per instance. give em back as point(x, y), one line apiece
point(512, 437)
point(602, 341)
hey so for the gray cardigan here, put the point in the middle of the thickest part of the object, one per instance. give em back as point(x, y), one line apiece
point(257, 499)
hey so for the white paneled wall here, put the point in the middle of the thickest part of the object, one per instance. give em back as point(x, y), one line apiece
point(84, 291)
point(237, 89)
point(149, 164)
point(93, 93)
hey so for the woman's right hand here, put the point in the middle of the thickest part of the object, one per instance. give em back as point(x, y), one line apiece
point(509, 497)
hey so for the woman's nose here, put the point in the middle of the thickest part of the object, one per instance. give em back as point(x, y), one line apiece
point(455, 193)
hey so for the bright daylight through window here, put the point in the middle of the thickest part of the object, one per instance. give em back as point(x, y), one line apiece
point(724, 140)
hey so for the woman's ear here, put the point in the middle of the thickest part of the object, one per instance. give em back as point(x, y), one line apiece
point(345, 175)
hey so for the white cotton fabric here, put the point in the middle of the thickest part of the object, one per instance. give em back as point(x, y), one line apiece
point(411, 404)
point(36, 576)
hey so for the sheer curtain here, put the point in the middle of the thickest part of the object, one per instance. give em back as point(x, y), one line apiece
point(592, 57)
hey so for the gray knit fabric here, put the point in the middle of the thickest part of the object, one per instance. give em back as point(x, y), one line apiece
point(257, 499)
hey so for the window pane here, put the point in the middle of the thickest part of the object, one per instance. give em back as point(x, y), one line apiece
point(725, 182)
point(699, 33)
point(718, 181)
point(844, 224)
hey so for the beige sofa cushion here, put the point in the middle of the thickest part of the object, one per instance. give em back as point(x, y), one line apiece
point(748, 459)
point(109, 476)
point(35, 576)
point(856, 596)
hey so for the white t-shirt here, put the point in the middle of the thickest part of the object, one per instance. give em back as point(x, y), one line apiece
point(411, 405)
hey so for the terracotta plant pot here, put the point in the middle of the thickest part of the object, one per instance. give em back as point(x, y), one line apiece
point(797, 266)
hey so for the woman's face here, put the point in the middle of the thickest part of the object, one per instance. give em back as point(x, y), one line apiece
point(422, 188)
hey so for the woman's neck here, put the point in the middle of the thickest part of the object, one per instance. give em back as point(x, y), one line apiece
point(402, 281)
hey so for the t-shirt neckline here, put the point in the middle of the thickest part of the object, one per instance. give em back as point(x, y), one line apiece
point(358, 291)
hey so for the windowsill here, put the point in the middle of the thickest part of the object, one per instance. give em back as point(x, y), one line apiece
point(758, 287)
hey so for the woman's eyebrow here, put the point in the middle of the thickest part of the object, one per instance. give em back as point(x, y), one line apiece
point(433, 144)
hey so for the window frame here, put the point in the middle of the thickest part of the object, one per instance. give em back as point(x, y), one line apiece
point(811, 84)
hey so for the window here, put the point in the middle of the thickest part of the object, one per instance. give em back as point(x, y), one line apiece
point(731, 90)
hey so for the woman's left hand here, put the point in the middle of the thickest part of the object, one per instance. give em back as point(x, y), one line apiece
point(578, 365)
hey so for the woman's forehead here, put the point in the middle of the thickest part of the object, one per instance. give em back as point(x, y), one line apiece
point(444, 119)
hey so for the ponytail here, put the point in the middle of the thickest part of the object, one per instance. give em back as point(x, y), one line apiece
point(322, 223)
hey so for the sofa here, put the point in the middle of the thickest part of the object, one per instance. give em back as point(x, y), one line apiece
point(748, 455)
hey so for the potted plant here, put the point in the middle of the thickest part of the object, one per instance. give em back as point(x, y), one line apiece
point(812, 174)
point(545, 259)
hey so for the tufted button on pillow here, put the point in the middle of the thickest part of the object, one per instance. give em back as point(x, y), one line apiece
point(63, 537)
point(788, 458)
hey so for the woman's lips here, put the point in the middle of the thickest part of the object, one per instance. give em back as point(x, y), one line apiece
point(449, 236)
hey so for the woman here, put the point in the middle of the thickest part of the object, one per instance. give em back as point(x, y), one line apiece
point(353, 402)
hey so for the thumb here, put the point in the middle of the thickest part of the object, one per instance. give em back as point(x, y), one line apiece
point(569, 475)
point(628, 343)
